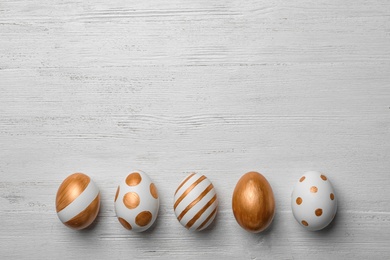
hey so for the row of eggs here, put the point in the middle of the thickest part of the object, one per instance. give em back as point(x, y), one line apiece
point(313, 202)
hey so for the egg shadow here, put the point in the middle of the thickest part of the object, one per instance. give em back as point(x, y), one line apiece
point(156, 223)
point(91, 227)
point(94, 225)
point(208, 230)
point(334, 224)
point(332, 227)
point(86, 236)
point(265, 233)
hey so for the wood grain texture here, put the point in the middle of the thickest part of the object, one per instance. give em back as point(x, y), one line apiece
point(217, 87)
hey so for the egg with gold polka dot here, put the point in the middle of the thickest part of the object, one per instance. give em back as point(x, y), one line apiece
point(313, 201)
point(77, 201)
point(137, 202)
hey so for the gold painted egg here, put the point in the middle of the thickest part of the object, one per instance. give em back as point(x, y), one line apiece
point(77, 201)
point(313, 201)
point(137, 202)
point(253, 202)
point(195, 202)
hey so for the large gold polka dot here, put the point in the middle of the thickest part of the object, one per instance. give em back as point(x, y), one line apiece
point(302, 179)
point(133, 179)
point(125, 223)
point(313, 189)
point(131, 200)
point(117, 193)
point(153, 191)
point(318, 212)
point(299, 200)
point(323, 177)
point(305, 223)
point(143, 218)
point(332, 196)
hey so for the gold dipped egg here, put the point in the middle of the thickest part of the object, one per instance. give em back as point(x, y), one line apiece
point(253, 202)
point(77, 201)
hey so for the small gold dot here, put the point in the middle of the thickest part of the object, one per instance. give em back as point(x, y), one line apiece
point(302, 179)
point(332, 196)
point(299, 200)
point(323, 177)
point(318, 212)
point(305, 223)
point(313, 189)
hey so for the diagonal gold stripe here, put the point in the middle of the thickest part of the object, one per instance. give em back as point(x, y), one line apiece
point(193, 203)
point(70, 189)
point(184, 182)
point(85, 217)
point(188, 190)
point(199, 214)
point(207, 219)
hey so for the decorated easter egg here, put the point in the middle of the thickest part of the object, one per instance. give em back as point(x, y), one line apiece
point(77, 201)
point(313, 201)
point(253, 202)
point(137, 202)
point(195, 202)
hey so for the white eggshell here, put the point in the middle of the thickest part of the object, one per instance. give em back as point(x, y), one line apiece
point(137, 202)
point(313, 201)
point(195, 202)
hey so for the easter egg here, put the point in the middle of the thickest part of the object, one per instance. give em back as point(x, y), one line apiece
point(253, 202)
point(77, 201)
point(195, 202)
point(137, 202)
point(313, 201)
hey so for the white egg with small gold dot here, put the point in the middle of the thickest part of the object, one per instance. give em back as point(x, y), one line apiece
point(313, 201)
point(137, 202)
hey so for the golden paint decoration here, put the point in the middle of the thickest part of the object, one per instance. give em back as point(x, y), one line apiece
point(253, 202)
point(77, 201)
point(313, 202)
point(137, 202)
point(195, 202)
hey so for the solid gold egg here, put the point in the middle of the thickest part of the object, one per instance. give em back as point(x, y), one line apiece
point(253, 202)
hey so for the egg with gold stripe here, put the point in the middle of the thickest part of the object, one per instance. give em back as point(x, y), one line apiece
point(77, 201)
point(137, 202)
point(195, 202)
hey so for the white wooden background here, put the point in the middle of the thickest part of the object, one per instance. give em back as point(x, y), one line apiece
point(218, 87)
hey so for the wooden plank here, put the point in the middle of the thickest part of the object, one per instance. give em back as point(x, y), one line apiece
point(216, 87)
